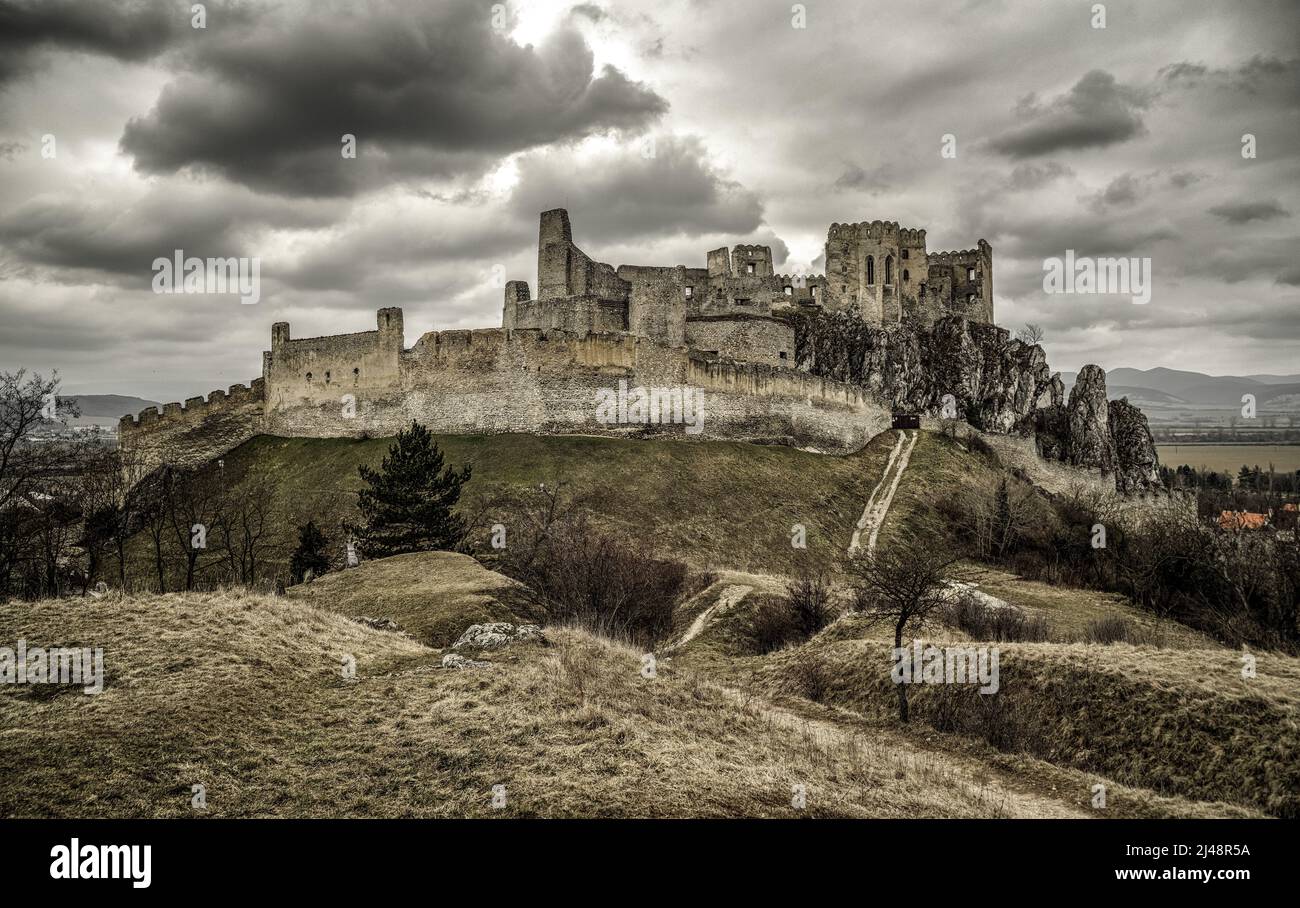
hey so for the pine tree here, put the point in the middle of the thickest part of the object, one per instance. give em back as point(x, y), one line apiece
point(407, 506)
point(311, 553)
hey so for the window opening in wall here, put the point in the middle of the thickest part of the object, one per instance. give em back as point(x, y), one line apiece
point(906, 276)
point(889, 269)
point(970, 272)
point(905, 253)
point(871, 270)
point(789, 291)
point(308, 376)
point(690, 292)
point(742, 302)
point(749, 269)
point(783, 355)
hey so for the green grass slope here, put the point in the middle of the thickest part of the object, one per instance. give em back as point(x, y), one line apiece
point(713, 504)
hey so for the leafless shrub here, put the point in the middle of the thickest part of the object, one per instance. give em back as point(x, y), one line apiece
point(810, 676)
point(1003, 625)
point(585, 575)
point(1117, 629)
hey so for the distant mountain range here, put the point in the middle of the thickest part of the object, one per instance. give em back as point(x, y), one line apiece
point(1174, 388)
point(103, 410)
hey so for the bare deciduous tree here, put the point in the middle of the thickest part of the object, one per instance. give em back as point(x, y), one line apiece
point(903, 583)
point(1031, 333)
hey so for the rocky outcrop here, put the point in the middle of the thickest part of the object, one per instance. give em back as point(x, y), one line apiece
point(497, 634)
point(1094, 433)
point(979, 373)
point(959, 368)
point(1136, 461)
point(1090, 444)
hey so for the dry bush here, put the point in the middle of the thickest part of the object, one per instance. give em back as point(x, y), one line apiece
point(1008, 724)
point(1004, 625)
point(809, 600)
point(588, 577)
point(772, 625)
point(780, 621)
point(1117, 629)
point(810, 676)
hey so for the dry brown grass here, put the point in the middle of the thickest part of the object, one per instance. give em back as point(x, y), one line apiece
point(1071, 611)
point(433, 596)
point(1178, 722)
point(244, 694)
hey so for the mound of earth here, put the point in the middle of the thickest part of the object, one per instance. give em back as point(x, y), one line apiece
point(432, 596)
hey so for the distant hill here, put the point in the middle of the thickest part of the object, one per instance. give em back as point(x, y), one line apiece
point(1176, 387)
point(114, 405)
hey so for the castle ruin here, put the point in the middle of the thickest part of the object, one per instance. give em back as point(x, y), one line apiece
point(726, 332)
point(731, 308)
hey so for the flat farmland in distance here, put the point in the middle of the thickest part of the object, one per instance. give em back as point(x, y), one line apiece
point(1285, 458)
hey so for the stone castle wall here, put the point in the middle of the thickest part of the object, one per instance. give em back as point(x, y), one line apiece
point(498, 381)
point(196, 433)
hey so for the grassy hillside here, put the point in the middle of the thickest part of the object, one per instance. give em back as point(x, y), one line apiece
point(711, 504)
point(1178, 720)
point(432, 596)
point(244, 695)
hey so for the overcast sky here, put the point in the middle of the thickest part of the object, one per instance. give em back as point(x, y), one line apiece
point(225, 141)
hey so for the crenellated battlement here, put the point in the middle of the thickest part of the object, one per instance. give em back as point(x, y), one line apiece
point(962, 257)
point(196, 408)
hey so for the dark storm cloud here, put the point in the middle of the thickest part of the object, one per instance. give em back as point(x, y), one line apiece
point(1259, 74)
point(427, 89)
point(1096, 112)
point(375, 251)
point(1245, 212)
point(624, 194)
point(120, 239)
point(128, 30)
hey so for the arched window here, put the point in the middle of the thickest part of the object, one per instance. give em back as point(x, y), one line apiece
point(889, 269)
point(871, 270)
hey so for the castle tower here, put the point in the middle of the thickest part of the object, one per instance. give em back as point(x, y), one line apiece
point(554, 255)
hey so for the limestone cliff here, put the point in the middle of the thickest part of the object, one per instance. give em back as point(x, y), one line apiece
point(979, 373)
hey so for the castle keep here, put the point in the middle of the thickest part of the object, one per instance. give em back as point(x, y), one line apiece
point(722, 329)
point(730, 307)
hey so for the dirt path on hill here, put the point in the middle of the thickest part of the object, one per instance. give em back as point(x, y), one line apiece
point(727, 599)
point(873, 515)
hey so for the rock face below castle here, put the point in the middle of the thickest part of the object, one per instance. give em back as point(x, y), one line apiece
point(978, 373)
point(731, 351)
